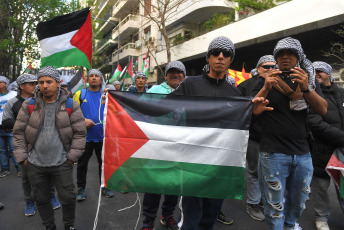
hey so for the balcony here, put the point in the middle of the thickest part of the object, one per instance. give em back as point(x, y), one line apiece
point(107, 23)
point(196, 11)
point(124, 7)
point(125, 51)
point(127, 27)
point(103, 6)
point(105, 64)
point(104, 44)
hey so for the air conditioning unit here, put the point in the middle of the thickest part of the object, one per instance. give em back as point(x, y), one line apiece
point(138, 44)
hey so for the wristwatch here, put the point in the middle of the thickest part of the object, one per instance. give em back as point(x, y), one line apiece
point(310, 89)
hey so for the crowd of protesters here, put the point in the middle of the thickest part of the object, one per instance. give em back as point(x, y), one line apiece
point(297, 123)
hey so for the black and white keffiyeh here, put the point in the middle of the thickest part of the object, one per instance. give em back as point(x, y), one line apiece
point(265, 58)
point(49, 71)
point(223, 43)
point(6, 80)
point(323, 67)
point(24, 78)
point(293, 45)
point(175, 65)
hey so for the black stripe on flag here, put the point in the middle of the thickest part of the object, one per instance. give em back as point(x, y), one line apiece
point(62, 24)
point(191, 111)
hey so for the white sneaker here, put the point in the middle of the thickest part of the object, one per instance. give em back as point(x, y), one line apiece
point(322, 225)
point(296, 227)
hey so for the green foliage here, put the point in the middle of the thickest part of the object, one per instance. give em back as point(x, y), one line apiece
point(180, 39)
point(18, 21)
point(258, 5)
point(219, 20)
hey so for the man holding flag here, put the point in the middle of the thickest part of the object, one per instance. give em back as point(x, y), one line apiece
point(196, 212)
point(93, 109)
point(174, 73)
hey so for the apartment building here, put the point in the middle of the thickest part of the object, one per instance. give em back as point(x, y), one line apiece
point(124, 31)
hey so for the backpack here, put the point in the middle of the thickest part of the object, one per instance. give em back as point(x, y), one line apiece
point(69, 105)
point(82, 96)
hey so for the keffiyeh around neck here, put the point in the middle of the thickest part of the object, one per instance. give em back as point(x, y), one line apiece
point(293, 45)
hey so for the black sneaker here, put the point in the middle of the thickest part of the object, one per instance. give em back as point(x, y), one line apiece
point(71, 227)
point(223, 219)
point(169, 222)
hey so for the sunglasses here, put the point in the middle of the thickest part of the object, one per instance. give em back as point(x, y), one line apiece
point(216, 52)
point(269, 66)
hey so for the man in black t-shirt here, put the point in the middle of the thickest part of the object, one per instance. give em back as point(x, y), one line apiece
point(285, 162)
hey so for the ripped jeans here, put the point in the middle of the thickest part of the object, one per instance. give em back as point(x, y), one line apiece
point(278, 172)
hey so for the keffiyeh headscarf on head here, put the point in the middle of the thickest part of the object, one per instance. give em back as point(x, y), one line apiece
point(97, 72)
point(24, 78)
point(265, 58)
point(293, 45)
point(6, 80)
point(323, 67)
point(49, 71)
point(175, 65)
point(223, 43)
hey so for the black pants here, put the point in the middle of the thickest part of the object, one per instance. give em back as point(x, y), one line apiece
point(41, 180)
point(199, 213)
point(151, 205)
point(83, 162)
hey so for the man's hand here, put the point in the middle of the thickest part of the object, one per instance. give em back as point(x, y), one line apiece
point(259, 105)
point(24, 163)
point(104, 96)
point(89, 123)
point(270, 79)
point(301, 77)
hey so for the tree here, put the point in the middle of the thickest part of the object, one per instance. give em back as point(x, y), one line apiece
point(337, 49)
point(160, 13)
point(18, 21)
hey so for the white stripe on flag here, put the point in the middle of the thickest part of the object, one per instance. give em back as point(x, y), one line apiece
point(56, 44)
point(212, 146)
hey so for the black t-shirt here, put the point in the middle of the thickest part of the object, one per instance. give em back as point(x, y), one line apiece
point(283, 130)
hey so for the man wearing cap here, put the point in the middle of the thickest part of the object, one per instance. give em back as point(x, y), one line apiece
point(26, 86)
point(117, 85)
point(174, 74)
point(285, 162)
point(265, 64)
point(201, 213)
point(328, 134)
point(48, 140)
point(6, 137)
point(140, 83)
point(93, 109)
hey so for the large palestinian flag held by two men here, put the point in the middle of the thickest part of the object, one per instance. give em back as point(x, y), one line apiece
point(178, 145)
point(66, 40)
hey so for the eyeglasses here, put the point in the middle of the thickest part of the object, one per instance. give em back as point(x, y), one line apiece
point(216, 52)
point(269, 66)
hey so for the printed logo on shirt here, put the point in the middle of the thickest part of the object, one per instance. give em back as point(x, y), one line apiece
point(84, 100)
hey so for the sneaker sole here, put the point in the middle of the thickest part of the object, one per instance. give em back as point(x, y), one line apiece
point(30, 214)
point(80, 199)
point(164, 224)
point(57, 207)
point(253, 217)
point(223, 222)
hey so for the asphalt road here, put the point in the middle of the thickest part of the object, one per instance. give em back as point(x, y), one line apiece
point(12, 216)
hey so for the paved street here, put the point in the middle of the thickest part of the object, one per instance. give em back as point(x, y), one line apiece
point(12, 216)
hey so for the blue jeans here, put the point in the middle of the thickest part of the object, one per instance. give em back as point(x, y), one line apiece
point(6, 150)
point(278, 172)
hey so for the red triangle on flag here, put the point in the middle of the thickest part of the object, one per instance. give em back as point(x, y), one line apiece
point(123, 137)
point(83, 38)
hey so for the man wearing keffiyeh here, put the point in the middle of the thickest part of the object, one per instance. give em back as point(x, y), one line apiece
point(285, 162)
point(328, 134)
point(201, 213)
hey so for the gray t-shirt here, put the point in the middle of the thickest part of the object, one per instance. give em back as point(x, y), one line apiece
point(48, 150)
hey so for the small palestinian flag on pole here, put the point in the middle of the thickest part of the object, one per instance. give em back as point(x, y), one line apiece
point(176, 145)
point(77, 82)
point(335, 169)
point(66, 40)
point(145, 66)
point(28, 68)
point(129, 73)
point(116, 74)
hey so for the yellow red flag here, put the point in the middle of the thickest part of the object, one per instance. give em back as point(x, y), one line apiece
point(238, 76)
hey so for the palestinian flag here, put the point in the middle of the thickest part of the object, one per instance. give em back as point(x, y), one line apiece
point(77, 82)
point(335, 168)
point(66, 40)
point(129, 73)
point(145, 66)
point(28, 68)
point(116, 74)
point(238, 76)
point(177, 145)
